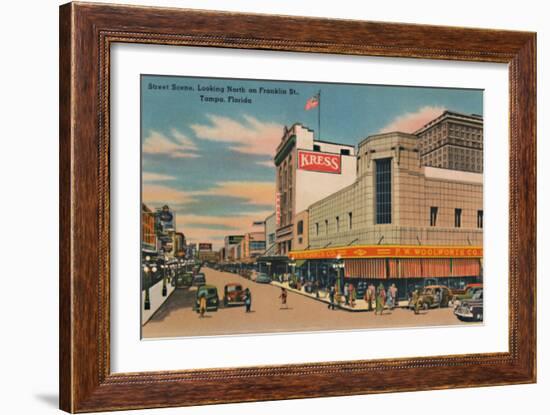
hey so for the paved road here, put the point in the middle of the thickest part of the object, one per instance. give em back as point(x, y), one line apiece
point(176, 318)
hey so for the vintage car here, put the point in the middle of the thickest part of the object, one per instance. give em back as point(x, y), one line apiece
point(233, 294)
point(212, 300)
point(470, 291)
point(432, 296)
point(185, 279)
point(471, 309)
point(262, 278)
point(199, 279)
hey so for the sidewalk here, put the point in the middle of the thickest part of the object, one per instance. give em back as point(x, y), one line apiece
point(156, 299)
point(360, 304)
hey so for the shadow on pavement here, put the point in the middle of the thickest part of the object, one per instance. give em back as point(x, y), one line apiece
point(180, 298)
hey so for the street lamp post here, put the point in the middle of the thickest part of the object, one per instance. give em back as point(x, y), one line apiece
point(147, 302)
point(339, 278)
point(146, 270)
point(164, 289)
point(293, 272)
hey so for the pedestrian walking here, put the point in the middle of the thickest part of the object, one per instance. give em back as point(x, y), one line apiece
point(202, 305)
point(283, 297)
point(370, 295)
point(393, 296)
point(331, 294)
point(247, 300)
point(380, 299)
point(415, 301)
point(351, 293)
point(346, 293)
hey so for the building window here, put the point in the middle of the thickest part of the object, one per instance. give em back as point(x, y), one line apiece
point(271, 238)
point(480, 219)
point(326, 226)
point(433, 216)
point(350, 217)
point(317, 229)
point(337, 223)
point(300, 227)
point(257, 245)
point(383, 191)
point(458, 218)
point(344, 151)
point(316, 147)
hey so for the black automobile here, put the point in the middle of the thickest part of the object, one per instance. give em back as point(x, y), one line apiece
point(212, 299)
point(182, 280)
point(199, 279)
point(471, 309)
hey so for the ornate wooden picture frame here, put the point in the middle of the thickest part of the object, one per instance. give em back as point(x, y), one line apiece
point(87, 32)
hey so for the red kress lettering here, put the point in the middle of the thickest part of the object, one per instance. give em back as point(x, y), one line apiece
point(319, 162)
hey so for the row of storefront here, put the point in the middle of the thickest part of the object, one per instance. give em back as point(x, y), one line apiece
point(415, 268)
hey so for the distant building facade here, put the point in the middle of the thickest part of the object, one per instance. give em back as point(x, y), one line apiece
point(270, 228)
point(180, 244)
point(230, 244)
point(148, 232)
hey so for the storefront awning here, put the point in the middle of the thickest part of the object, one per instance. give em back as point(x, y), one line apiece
point(389, 251)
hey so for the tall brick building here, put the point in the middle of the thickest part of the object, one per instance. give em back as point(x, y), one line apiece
point(452, 141)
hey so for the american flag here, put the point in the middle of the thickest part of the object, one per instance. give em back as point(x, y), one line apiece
point(313, 102)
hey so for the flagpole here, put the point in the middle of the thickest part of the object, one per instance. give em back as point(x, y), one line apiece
point(319, 116)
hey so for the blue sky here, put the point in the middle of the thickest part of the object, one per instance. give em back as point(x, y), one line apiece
point(211, 161)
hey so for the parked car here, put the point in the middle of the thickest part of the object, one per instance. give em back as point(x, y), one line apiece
point(263, 278)
point(212, 299)
point(233, 294)
point(470, 291)
point(432, 296)
point(471, 309)
point(460, 291)
point(199, 279)
point(182, 280)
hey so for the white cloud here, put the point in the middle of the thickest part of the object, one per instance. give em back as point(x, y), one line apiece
point(248, 135)
point(156, 195)
point(266, 163)
point(180, 146)
point(412, 121)
point(260, 193)
point(156, 177)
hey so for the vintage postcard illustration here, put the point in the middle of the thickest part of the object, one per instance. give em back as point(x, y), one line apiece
point(284, 206)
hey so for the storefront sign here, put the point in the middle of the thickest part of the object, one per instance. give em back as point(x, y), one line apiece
point(393, 251)
point(320, 162)
point(204, 246)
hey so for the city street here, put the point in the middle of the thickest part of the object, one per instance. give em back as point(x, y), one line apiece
point(176, 317)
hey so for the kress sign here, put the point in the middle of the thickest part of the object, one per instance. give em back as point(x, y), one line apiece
point(321, 162)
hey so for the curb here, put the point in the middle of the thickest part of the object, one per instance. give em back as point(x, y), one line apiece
point(322, 300)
